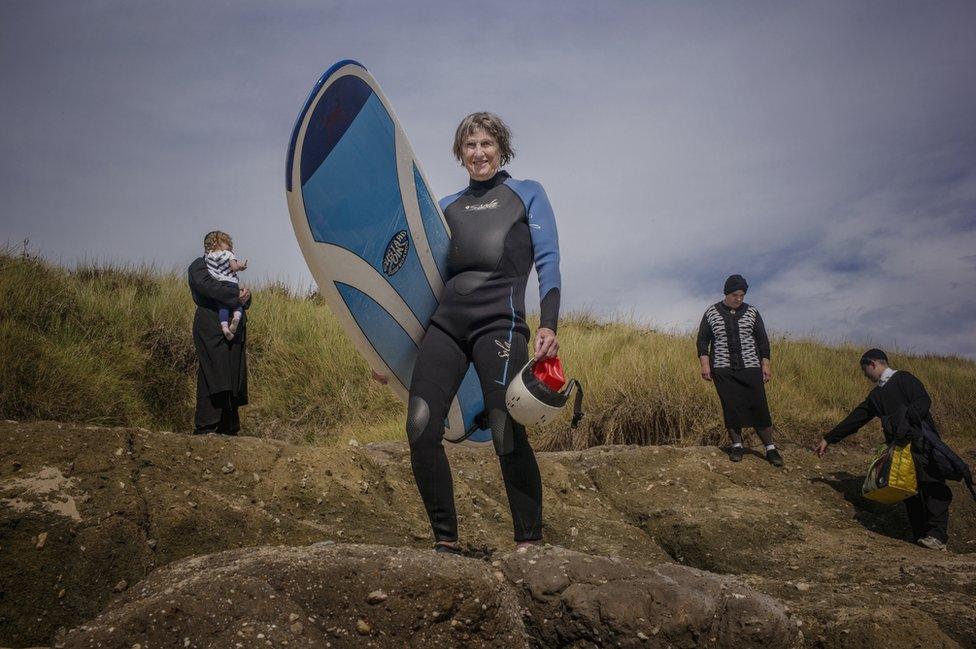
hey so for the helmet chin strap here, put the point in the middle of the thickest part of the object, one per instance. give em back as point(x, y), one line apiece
point(577, 402)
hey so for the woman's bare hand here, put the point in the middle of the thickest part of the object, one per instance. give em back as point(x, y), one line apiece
point(706, 368)
point(545, 343)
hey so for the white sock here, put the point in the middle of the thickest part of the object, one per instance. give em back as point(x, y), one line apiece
point(737, 445)
point(770, 447)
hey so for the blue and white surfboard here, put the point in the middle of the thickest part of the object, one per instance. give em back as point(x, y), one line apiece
point(371, 232)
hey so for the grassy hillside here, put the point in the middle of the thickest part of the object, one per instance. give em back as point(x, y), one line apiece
point(112, 346)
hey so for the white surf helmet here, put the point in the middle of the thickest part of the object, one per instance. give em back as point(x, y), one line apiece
point(531, 402)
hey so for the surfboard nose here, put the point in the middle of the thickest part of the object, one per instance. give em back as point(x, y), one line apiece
point(292, 144)
point(337, 108)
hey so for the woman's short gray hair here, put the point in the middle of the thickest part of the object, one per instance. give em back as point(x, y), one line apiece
point(492, 125)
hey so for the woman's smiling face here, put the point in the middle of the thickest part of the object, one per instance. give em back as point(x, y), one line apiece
point(481, 155)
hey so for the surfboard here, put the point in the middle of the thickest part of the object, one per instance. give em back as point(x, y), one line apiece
point(371, 232)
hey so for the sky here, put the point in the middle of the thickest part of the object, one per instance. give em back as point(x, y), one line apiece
point(824, 150)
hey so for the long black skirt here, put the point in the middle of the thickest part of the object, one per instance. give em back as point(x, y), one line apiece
point(743, 396)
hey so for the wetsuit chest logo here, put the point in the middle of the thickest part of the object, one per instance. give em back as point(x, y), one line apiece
point(490, 205)
point(396, 253)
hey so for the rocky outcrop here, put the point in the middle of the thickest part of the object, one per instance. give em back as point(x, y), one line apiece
point(315, 596)
point(574, 599)
point(365, 595)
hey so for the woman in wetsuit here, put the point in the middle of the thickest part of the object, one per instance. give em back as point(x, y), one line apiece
point(500, 227)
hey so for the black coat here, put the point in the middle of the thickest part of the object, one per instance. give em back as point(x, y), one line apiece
point(223, 363)
point(903, 405)
point(939, 458)
point(903, 390)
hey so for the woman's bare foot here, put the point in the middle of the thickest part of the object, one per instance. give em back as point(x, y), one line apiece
point(523, 546)
point(448, 547)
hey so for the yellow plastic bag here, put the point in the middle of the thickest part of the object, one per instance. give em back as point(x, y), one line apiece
point(891, 477)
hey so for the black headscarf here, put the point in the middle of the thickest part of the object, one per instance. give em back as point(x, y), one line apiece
point(736, 283)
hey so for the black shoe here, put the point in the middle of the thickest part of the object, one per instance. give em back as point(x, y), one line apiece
point(736, 453)
point(774, 457)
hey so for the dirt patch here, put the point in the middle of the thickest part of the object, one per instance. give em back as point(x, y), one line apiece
point(47, 490)
point(144, 500)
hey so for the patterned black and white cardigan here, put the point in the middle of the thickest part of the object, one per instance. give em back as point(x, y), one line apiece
point(733, 339)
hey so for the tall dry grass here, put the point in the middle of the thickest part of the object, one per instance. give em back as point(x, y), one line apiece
point(111, 345)
point(644, 387)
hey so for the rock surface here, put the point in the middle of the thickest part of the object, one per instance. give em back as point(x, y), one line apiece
point(84, 509)
point(318, 596)
point(575, 599)
point(313, 596)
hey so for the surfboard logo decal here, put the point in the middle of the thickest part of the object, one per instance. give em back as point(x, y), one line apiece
point(396, 253)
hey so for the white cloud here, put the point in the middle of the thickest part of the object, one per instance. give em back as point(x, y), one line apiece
point(825, 151)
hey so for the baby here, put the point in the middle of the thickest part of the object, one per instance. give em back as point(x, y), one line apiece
point(223, 266)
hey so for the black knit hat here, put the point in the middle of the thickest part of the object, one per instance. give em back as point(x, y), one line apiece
point(872, 355)
point(736, 283)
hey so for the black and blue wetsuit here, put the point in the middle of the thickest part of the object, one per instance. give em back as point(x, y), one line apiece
point(500, 228)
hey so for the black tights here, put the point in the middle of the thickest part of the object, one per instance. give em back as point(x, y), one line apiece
point(441, 365)
point(765, 434)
